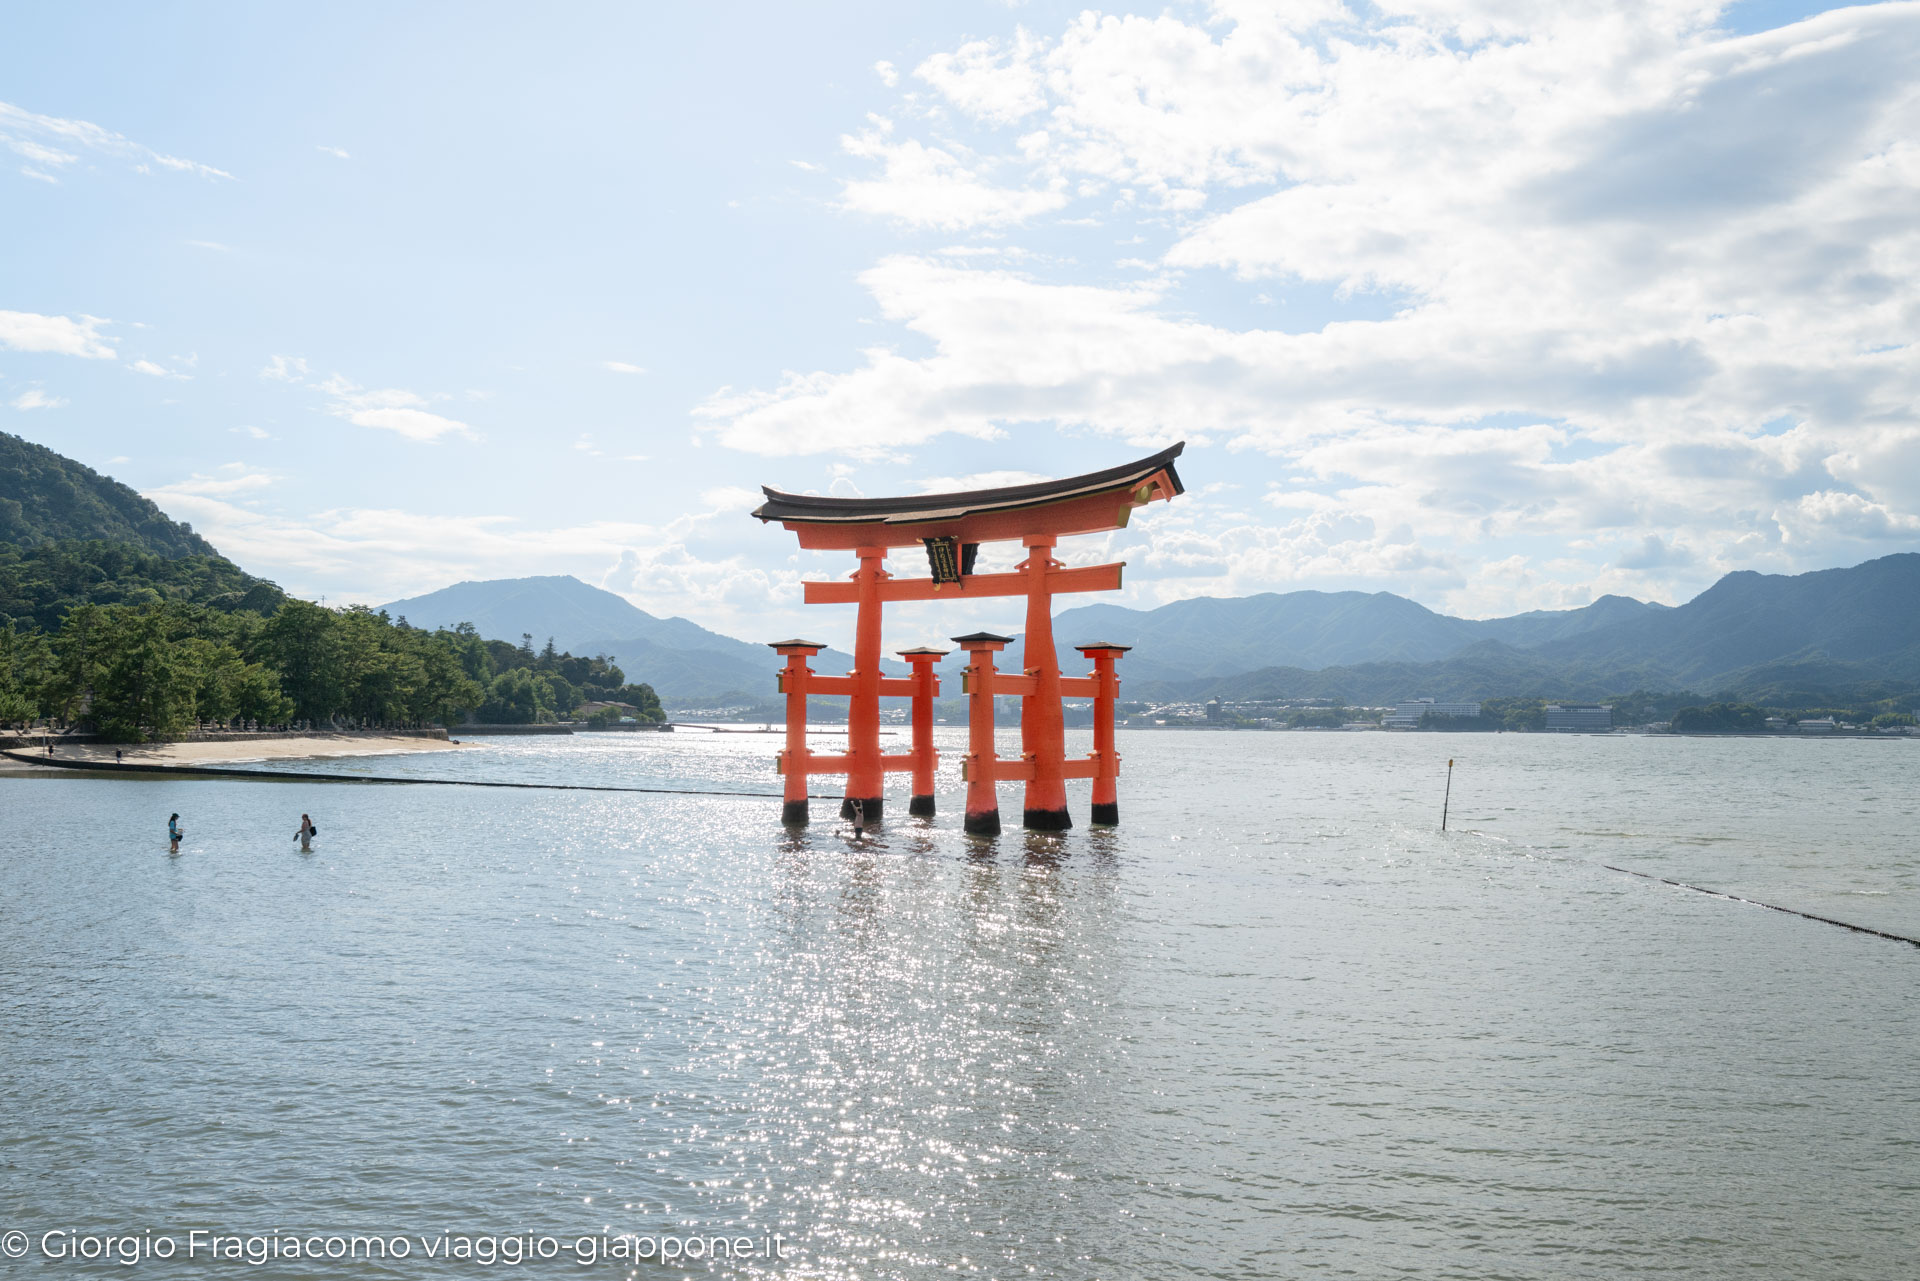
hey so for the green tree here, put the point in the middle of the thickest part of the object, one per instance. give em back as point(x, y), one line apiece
point(228, 688)
point(23, 663)
point(77, 657)
point(145, 686)
point(1522, 715)
point(641, 698)
point(300, 642)
point(444, 692)
point(561, 696)
point(514, 698)
point(1720, 718)
point(476, 659)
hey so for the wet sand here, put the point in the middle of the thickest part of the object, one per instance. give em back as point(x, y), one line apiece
point(238, 752)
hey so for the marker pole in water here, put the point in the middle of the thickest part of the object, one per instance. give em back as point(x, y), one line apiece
point(1449, 796)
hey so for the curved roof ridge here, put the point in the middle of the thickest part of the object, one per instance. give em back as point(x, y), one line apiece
point(927, 507)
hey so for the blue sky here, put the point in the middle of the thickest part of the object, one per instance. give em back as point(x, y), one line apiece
point(1496, 309)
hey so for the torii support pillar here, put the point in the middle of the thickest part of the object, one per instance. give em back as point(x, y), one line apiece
point(866, 778)
point(1106, 761)
point(925, 758)
point(981, 767)
point(793, 763)
point(1043, 731)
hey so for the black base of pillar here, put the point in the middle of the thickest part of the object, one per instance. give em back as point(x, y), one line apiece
point(1107, 815)
point(921, 807)
point(871, 808)
point(987, 824)
point(793, 813)
point(1046, 820)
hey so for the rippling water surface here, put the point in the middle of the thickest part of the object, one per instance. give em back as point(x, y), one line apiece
point(1276, 1025)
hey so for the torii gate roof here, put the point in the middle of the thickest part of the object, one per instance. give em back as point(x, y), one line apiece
point(1087, 504)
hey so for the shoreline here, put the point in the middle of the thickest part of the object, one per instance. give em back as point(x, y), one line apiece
point(232, 751)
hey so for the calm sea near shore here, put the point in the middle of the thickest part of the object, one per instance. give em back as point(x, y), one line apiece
point(1277, 1025)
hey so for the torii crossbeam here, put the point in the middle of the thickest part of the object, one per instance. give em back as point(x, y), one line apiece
point(951, 527)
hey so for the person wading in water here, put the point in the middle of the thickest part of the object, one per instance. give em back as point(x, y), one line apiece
point(306, 834)
point(173, 834)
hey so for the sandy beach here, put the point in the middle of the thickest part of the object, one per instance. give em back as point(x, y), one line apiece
point(240, 752)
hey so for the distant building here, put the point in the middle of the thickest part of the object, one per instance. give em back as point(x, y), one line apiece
point(1407, 715)
point(1214, 713)
point(1572, 718)
point(1818, 725)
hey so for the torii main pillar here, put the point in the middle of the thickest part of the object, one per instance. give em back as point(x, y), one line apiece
point(951, 528)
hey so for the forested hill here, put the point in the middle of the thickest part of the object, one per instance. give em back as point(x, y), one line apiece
point(39, 584)
point(47, 498)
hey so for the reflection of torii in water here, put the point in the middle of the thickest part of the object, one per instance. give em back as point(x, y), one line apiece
point(951, 528)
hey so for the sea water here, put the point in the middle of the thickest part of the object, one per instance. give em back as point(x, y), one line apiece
point(1276, 1024)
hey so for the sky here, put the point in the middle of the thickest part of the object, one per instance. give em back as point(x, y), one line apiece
point(1493, 304)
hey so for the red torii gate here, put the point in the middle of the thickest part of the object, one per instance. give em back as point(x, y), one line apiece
point(951, 528)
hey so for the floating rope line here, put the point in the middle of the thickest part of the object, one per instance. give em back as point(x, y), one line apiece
point(301, 776)
point(1771, 907)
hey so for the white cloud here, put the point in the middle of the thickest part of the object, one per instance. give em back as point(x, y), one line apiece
point(227, 480)
point(995, 82)
point(929, 187)
point(61, 335)
point(34, 398)
point(336, 152)
point(1587, 252)
point(88, 136)
point(979, 480)
point(393, 409)
point(1832, 512)
point(669, 568)
point(414, 424)
point(152, 370)
point(50, 156)
point(390, 409)
point(622, 367)
point(889, 75)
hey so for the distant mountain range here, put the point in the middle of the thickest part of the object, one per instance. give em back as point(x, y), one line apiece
point(681, 660)
point(1805, 639)
point(1214, 637)
point(69, 534)
point(1785, 640)
point(1773, 638)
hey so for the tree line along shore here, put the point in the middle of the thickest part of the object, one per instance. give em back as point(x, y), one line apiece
point(139, 646)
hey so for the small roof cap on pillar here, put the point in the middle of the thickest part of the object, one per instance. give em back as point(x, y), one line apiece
point(1084, 646)
point(977, 639)
point(922, 649)
point(796, 644)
